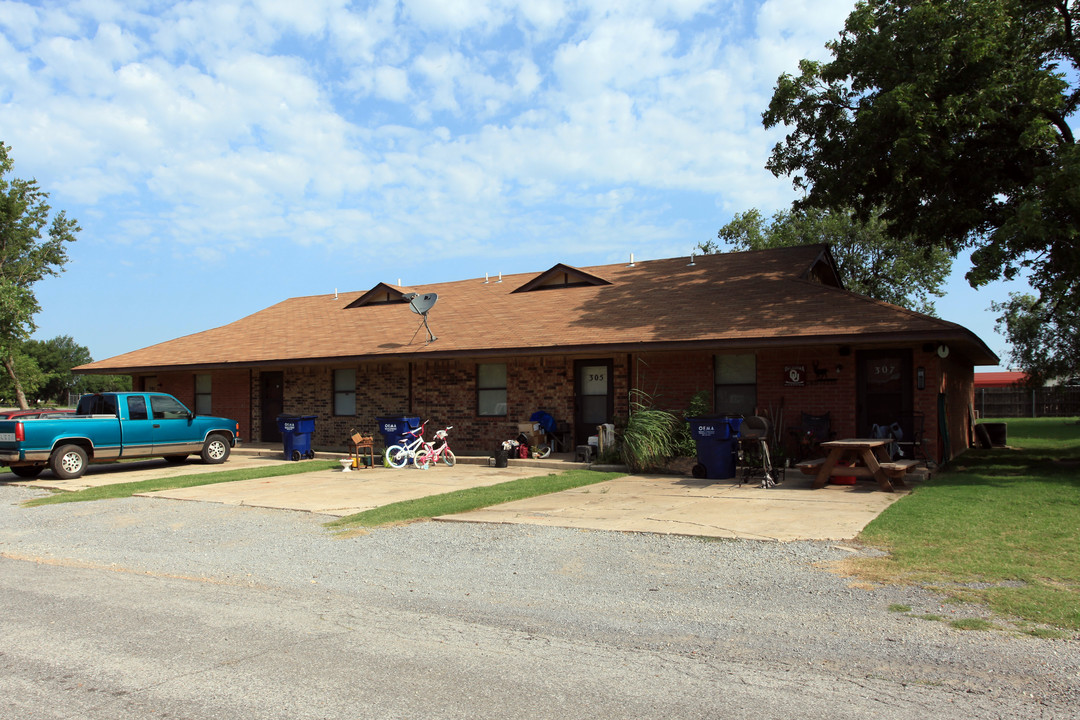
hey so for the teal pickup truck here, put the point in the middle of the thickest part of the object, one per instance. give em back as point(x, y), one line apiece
point(114, 426)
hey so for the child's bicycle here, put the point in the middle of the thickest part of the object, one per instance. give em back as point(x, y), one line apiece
point(398, 456)
point(430, 453)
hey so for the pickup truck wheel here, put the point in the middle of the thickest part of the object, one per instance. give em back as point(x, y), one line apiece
point(215, 450)
point(27, 471)
point(68, 462)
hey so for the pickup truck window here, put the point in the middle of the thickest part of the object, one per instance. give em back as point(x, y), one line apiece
point(137, 408)
point(167, 408)
point(97, 405)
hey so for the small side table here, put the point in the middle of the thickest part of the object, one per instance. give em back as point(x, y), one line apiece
point(363, 449)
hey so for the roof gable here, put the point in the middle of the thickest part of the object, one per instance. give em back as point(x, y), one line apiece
point(561, 276)
point(381, 294)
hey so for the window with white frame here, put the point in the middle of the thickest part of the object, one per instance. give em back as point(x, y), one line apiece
point(345, 392)
point(736, 384)
point(491, 389)
point(202, 394)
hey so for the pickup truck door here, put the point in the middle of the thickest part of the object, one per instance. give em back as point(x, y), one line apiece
point(138, 430)
point(173, 431)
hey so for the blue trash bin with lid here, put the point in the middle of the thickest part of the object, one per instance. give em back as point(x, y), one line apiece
point(296, 435)
point(716, 440)
point(394, 428)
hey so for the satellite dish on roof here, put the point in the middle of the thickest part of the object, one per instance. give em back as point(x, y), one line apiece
point(421, 304)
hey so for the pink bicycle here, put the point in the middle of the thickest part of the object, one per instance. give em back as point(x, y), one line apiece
point(430, 454)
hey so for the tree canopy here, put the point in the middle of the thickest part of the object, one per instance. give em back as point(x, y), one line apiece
point(951, 117)
point(870, 261)
point(31, 248)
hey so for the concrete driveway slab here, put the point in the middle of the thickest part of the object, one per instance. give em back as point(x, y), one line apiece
point(633, 503)
point(338, 493)
point(711, 508)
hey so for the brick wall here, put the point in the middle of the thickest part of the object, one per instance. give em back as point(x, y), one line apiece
point(444, 392)
point(672, 379)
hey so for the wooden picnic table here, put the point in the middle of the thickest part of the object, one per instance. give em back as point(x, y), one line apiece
point(872, 458)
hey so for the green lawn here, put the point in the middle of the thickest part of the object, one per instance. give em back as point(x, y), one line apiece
point(1008, 518)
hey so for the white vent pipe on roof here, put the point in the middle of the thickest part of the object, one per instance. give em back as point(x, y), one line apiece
point(631, 260)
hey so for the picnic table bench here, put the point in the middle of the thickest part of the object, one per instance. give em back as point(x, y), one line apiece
point(872, 456)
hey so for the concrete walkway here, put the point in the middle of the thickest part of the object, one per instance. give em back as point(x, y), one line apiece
point(632, 503)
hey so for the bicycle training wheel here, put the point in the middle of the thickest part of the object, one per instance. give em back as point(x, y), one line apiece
point(397, 456)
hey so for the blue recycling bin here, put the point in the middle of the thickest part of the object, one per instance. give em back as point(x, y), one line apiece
point(296, 433)
point(716, 440)
point(393, 428)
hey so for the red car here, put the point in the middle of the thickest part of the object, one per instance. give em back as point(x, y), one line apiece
point(34, 414)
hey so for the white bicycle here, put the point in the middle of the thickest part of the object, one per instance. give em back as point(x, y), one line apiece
point(398, 456)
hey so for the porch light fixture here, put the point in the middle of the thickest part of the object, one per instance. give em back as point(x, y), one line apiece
point(920, 378)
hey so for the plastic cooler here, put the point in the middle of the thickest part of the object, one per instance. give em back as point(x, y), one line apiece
point(296, 433)
point(715, 438)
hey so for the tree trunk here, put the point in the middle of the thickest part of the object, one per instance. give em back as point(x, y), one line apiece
point(9, 365)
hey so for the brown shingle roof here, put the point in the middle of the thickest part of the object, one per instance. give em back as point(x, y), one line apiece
point(748, 299)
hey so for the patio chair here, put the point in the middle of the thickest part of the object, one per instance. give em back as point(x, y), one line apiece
point(814, 430)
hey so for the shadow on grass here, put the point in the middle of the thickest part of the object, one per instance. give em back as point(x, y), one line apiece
point(1005, 467)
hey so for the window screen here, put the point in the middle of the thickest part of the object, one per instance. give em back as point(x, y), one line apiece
point(736, 384)
point(491, 389)
point(345, 392)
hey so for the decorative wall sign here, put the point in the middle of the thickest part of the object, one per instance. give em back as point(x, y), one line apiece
point(794, 375)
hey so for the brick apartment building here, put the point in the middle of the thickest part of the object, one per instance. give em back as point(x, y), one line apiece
point(762, 332)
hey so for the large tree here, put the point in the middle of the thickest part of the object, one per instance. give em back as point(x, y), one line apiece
point(55, 358)
point(31, 247)
point(953, 116)
point(870, 261)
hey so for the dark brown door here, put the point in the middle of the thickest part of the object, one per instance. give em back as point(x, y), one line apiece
point(594, 399)
point(884, 390)
point(272, 404)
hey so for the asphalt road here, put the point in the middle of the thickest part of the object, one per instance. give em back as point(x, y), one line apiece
point(151, 608)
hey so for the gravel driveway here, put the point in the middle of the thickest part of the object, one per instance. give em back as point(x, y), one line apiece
point(456, 620)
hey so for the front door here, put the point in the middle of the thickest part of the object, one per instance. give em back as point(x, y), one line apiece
point(271, 404)
point(594, 402)
point(884, 391)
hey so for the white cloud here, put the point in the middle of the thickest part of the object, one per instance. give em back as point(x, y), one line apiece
point(620, 53)
point(391, 83)
point(223, 123)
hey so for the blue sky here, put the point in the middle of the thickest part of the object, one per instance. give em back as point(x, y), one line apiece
point(223, 156)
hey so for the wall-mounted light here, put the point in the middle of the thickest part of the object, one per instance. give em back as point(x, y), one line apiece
point(920, 378)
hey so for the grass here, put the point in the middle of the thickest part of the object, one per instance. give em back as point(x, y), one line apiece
point(468, 499)
point(123, 490)
point(997, 527)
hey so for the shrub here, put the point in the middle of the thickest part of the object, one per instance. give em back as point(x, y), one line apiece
point(649, 438)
